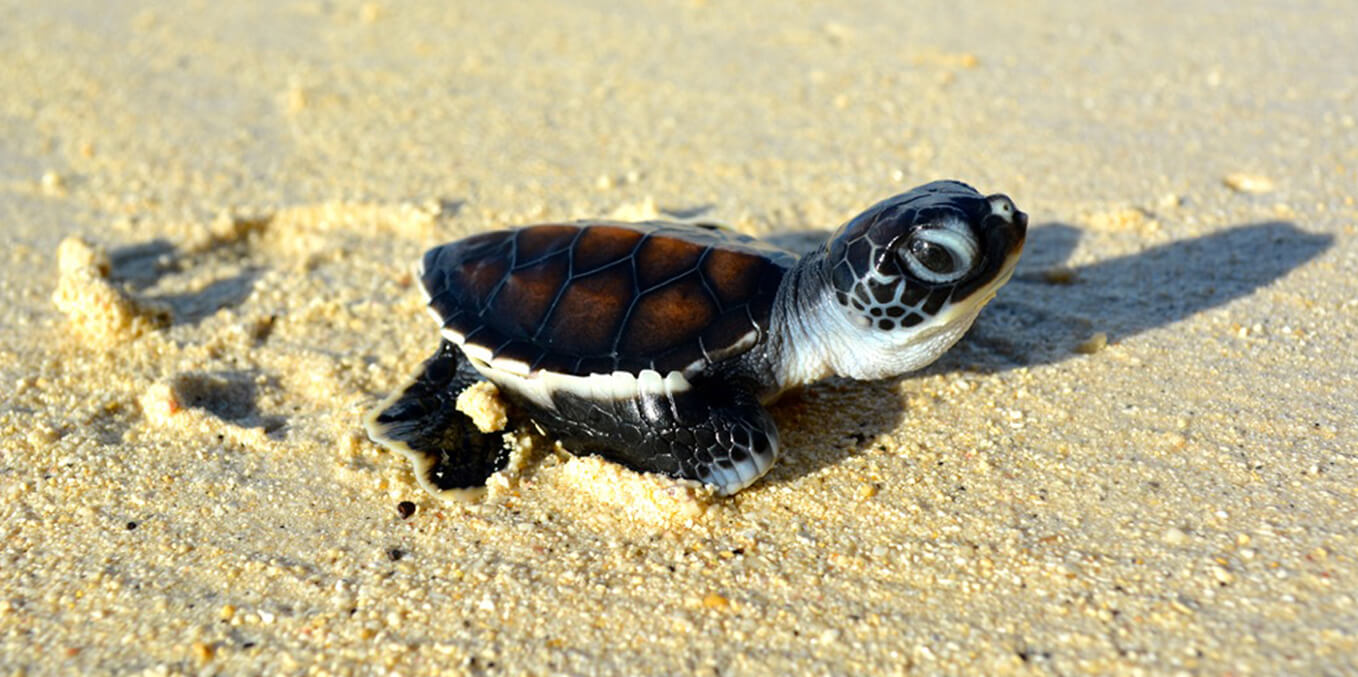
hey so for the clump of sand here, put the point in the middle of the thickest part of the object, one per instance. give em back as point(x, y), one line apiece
point(185, 404)
point(643, 499)
point(96, 307)
point(481, 402)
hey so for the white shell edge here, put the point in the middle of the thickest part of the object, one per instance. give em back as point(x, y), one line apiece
point(538, 386)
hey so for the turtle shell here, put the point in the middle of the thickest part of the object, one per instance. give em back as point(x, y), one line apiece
point(599, 297)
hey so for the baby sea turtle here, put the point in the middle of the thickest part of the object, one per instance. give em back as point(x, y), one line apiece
point(657, 345)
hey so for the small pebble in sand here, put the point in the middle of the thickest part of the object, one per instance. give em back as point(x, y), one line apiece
point(715, 601)
point(295, 99)
point(160, 402)
point(203, 651)
point(259, 328)
point(1093, 344)
point(53, 183)
point(1061, 276)
point(1223, 575)
point(1242, 182)
point(405, 509)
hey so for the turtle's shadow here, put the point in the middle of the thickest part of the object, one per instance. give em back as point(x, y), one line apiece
point(1039, 317)
point(231, 396)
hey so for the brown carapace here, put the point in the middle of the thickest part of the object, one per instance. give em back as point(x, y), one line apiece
point(604, 297)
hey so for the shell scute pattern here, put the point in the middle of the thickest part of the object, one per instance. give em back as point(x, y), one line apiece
point(661, 259)
point(680, 308)
point(601, 246)
point(535, 244)
point(732, 273)
point(581, 299)
point(529, 293)
point(589, 310)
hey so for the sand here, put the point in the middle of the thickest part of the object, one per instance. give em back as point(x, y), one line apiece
point(1142, 459)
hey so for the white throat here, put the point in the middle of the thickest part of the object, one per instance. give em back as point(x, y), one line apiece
point(823, 339)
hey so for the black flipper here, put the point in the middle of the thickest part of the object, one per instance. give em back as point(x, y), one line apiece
point(713, 433)
point(451, 457)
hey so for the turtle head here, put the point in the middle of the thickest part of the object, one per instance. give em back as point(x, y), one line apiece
point(910, 274)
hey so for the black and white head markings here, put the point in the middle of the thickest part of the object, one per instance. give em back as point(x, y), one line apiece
point(907, 259)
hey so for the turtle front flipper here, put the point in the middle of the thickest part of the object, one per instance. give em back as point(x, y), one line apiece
point(451, 456)
point(711, 432)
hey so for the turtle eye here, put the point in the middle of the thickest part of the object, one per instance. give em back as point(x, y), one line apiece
point(938, 255)
point(933, 256)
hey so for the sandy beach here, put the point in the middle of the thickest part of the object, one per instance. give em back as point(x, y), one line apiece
point(1141, 460)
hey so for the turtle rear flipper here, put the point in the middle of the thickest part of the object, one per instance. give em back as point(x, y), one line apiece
point(711, 432)
point(452, 458)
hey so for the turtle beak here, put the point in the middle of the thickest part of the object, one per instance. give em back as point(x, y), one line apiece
point(1020, 226)
point(1005, 226)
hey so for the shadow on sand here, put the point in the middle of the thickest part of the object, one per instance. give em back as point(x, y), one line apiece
point(1034, 321)
point(141, 266)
